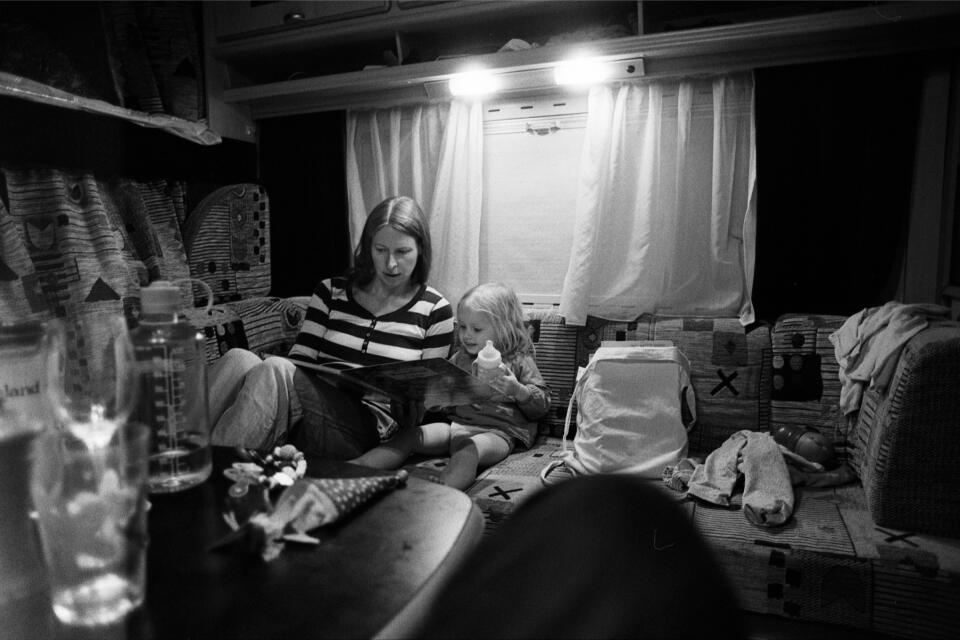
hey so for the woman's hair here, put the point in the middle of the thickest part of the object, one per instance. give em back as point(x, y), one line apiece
point(501, 304)
point(404, 215)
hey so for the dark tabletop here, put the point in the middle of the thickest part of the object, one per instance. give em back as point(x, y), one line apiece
point(366, 569)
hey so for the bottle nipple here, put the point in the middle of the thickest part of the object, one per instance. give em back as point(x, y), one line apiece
point(488, 361)
point(489, 354)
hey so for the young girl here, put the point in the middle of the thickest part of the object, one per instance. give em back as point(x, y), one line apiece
point(478, 435)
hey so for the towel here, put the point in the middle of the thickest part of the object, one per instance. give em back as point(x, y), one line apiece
point(868, 345)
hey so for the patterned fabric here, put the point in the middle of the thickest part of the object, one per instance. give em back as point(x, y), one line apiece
point(830, 563)
point(911, 475)
point(337, 329)
point(80, 248)
point(727, 371)
point(156, 56)
point(228, 241)
point(340, 496)
point(271, 324)
point(20, 294)
point(805, 383)
point(555, 345)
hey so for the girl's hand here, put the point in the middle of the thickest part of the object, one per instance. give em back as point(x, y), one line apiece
point(508, 385)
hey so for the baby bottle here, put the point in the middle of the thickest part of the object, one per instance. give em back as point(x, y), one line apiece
point(173, 391)
point(487, 364)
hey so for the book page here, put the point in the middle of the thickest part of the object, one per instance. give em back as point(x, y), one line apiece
point(436, 382)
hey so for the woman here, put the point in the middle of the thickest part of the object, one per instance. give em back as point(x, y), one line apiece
point(382, 311)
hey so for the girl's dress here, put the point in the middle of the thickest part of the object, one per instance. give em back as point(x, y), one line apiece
point(516, 419)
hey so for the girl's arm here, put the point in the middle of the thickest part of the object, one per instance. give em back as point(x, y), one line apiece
point(524, 384)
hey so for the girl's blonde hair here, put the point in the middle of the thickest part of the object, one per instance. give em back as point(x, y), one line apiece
point(501, 304)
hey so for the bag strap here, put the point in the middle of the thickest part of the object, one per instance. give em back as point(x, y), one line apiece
point(566, 455)
point(573, 396)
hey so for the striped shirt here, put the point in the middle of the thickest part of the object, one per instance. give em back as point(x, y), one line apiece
point(338, 329)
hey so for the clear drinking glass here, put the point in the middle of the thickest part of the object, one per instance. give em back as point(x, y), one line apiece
point(92, 386)
point(91, 504)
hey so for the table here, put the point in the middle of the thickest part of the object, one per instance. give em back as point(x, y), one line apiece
point(373, 575)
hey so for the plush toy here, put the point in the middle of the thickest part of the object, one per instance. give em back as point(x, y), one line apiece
point(806, 442)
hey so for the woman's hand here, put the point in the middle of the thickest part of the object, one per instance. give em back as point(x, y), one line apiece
point(407, 413)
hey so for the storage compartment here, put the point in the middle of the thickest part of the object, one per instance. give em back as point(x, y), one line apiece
point(233, 20)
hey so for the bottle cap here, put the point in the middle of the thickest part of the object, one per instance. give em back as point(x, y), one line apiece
point(160, 296)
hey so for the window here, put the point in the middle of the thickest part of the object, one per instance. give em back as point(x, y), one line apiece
point(531, 161)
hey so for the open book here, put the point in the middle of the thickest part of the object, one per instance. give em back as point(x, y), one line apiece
point(435, 381)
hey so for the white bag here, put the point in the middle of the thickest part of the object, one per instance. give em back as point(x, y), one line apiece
point(631, 398)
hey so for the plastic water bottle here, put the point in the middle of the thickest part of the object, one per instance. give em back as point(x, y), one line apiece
point(24, 592)
point(487, 364)
point(24, 359)
point(171, 366)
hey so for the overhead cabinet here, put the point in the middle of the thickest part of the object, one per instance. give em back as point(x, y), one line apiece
point(269, 59)
point(235, 20)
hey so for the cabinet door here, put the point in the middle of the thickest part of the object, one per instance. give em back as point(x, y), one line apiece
point(234, 19)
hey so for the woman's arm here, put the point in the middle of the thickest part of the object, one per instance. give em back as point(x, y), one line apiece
point(314, 326)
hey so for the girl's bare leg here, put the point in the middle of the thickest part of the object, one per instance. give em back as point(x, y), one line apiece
point(432, 438)
point(470, 453)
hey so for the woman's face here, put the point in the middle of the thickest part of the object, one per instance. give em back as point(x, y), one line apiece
point(474, 328)
point(395, 256)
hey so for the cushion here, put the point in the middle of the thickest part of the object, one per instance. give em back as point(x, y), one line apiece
point(905, 443)
point(727, 371)
point(805, 383)
point(271, 324)
point(228, 242)
point(555, 345)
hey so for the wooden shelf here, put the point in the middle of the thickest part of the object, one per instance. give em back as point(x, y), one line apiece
point(25, 89)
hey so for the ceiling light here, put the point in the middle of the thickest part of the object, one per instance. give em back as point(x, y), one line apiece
point(474, 83)
point(581, 71)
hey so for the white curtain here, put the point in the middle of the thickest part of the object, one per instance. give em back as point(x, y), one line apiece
point(434, 154)
point(666, 205)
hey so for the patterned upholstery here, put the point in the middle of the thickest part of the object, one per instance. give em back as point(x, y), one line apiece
point(806, 386)
point(79, 247)
point(906, 445)
point(833, 563)
point(870, 556)
point(830, 563)
point(728, 372)
point(555, 346)
point(228, 240)
point(270, 323)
